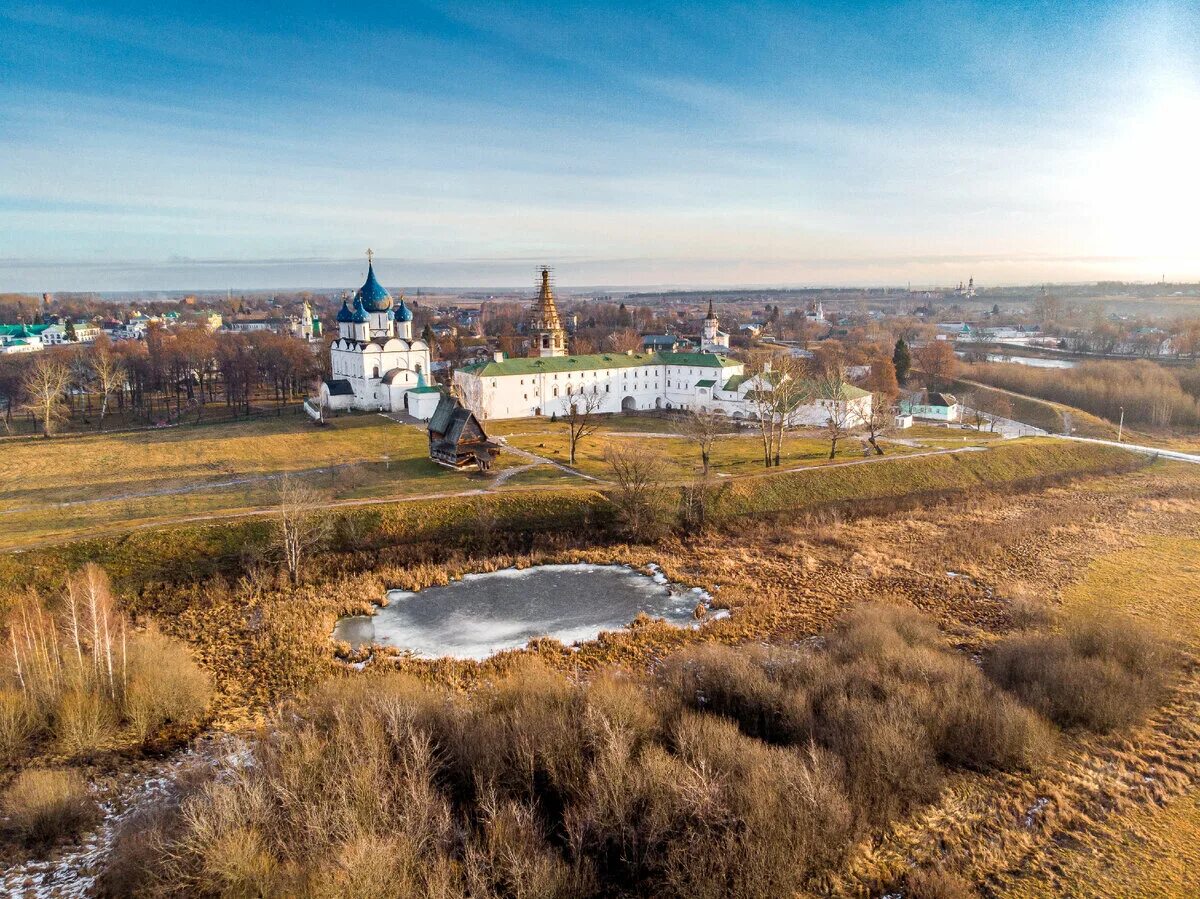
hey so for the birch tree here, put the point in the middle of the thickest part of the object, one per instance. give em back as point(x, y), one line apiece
point(109, 372)
point(702, 427)
point(300, 525)
point(44, 385)
point(833, 391)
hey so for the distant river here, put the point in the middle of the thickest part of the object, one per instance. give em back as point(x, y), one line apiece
point(485, 613)
point(1034, 361)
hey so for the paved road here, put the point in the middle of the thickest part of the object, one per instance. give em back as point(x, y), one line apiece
point(1176, 455)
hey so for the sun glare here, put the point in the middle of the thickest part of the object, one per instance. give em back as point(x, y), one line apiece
point(1146, 186)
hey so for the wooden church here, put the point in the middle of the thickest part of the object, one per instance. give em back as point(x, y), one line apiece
point(457, 439)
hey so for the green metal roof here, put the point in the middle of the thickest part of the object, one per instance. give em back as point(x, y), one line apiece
point(709, 360)
point(707, 382)
point(20, 330)
point(593, 362)
point(735, 382)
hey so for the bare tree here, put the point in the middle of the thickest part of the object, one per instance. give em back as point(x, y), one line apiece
point(879, 420)
point(109, 372)
point(640, 493)
point(790, 390)
point(701, 427)
point(937, 362)
point(581, 412)
point(301, 525)
point(44, 385)
point(625, 340)
point(838, 416)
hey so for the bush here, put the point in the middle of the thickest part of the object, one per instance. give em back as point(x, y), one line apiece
point(44, 806)
point(19, 724)
point(1098, 675)
point(886, 697)
point(737, 771)
point(83, 680)
point(84, 717)
point(164, 685)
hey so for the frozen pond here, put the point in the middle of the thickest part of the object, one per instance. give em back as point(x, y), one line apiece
point(485, 613)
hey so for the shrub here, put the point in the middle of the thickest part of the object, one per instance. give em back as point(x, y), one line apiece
point(1098, 675)
point(164, 685)
point(80, 676)
point(19, 724)
point(44, 806)
point(84, 718)
point(762, 690)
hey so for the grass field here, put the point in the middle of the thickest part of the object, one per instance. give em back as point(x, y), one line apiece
point(83, 484)
point(98, 483)
point(732, 455)
point(1145, 852)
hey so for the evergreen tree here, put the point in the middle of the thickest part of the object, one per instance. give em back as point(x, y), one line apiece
point(427, 335)
point(71, 335)
point(902, 360)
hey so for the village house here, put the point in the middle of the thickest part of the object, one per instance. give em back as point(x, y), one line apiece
point(21, 338)
point(931, 405)
point(60, 333)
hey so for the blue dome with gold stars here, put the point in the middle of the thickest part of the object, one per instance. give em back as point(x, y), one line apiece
point(344, 315)
point(360, 312)
point(402, 313)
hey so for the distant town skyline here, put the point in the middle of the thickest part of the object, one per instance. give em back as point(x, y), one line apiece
point(175, 147)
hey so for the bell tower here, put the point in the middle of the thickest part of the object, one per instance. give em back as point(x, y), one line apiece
point(545, 328)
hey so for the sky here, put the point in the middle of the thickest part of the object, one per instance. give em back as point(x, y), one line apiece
point(255, 145)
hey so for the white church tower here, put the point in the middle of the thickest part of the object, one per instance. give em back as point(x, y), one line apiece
point(712, 338)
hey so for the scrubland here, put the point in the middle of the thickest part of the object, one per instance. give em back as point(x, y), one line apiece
point(1152, 396)
point(825, 739)
point(731, 772)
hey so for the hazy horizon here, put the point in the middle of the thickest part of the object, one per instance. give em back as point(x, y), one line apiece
point(177, 146)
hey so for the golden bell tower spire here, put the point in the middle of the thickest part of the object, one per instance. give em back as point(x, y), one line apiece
point(545, 328)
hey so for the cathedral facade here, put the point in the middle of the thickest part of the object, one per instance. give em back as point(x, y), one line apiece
point(375, 363)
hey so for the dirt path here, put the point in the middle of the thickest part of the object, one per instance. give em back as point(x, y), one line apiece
point(425, 497)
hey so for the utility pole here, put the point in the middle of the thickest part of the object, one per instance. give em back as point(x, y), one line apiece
point(1121, 426)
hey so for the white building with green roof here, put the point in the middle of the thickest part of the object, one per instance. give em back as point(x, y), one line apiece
point(21, 338)
point(634, 382)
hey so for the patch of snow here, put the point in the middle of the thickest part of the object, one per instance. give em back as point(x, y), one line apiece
point(72, 872)
point(1036, 810)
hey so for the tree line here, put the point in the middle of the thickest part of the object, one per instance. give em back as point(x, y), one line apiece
point(172, 373)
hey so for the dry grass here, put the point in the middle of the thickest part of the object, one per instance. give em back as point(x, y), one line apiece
point(1148, 853)
point(82, 679)
point(42, 806)
point(1101, 673)
point(537, 785)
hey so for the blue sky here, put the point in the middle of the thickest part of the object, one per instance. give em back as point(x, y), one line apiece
point(173, 146)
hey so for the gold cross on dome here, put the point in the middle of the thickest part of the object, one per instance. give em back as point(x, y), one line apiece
point(369, 254)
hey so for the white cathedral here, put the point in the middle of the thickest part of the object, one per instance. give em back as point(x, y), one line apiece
point(375, 364)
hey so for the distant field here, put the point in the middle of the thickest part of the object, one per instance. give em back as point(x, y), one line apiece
point(103, 483)
point(147, 476)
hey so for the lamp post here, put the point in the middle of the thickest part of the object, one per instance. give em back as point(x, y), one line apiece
point(1121, 426)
